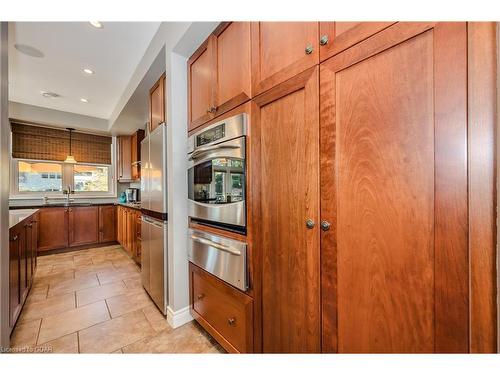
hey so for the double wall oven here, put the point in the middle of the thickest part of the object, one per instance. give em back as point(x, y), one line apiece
point(217, 197)
point(216, 174)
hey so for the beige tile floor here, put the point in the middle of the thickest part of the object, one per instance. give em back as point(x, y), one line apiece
point(92, 301)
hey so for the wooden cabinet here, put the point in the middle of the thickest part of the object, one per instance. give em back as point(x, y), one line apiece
point(219, 73)
point(83, 225)
point(201, 85)
point(22, 264)
point(286, 122)
point(225, 312)
point(124, 158)
point(107, 223)
point(394, 189)
point(281, 50)
point(129, 229)
point(338, 36)
point(157, 104)
point(136, 140)
point(53, 228)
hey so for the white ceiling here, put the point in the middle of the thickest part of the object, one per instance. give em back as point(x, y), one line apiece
point(113, 52)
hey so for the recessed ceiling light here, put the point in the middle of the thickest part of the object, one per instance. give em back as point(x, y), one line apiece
point(49, 94)
point(28, 50)
point(88, 71)
point(96, 24)
point(83, 100)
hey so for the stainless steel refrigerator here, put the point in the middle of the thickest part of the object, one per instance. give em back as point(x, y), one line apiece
point(154, 216)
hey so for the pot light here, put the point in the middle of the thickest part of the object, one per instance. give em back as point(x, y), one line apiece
point(83, 100)
point(88, 71)
point(96, 24)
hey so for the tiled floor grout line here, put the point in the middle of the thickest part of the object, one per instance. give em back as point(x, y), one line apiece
point(78, 340)
point(38, 333)
point(107, 307)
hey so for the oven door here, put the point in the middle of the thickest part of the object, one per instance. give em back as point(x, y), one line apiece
point(216, 183)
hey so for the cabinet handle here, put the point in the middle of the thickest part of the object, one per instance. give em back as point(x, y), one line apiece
point(310, 224)
point(212, 109)
point(231, 321)
point(325, 225)
point(309, 49)
point(15, 238)
point(323, 41)
point(200, 296)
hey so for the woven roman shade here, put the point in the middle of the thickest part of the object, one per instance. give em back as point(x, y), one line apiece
point(42, 143)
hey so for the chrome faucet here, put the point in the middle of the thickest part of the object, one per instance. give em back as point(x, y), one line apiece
point(68, 192)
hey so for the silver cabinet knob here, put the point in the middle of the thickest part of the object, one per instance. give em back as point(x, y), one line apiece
point(231, 321)
point(325, 225)
point(309, 49)
point(323, 40)
point(310, 224)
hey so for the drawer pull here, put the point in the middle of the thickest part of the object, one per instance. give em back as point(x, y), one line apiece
point(231, 321)
point(227, 249)
point(200, 296)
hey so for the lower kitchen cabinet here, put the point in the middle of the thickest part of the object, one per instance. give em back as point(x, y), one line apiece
point(53, 228)
point(22, 264)
point(107, 223)
point(62, 227)
point(225, 312)
point(128, 231)
point(83, 225)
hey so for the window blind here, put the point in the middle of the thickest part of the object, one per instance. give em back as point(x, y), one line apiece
point(31, 141)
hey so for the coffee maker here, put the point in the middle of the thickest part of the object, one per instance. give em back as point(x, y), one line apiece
point(132, 194)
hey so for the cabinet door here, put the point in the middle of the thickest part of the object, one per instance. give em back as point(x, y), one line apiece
point(286, 124)
point(53, 228)
point(107, 223)
point(119, 224)
point(281, 50)
point(233, 85)
point(157, 104)
point(29, 252)
point(201, 84)
point(138, 239)
point(34, 243)
point(394, 190)
point(83, 225)
point(338, 36)
point(14, 273)
point(124, 158)
point(137, 138)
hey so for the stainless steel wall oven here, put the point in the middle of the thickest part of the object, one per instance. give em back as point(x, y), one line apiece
point(217, 174)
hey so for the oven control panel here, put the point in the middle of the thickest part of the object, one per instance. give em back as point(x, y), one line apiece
point(211, 135)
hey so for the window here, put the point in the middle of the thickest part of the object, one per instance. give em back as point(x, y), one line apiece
point(90, 178)
point(31, 178)
point(39, 177)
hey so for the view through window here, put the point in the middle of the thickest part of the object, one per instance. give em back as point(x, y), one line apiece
point(39, 177)
point(90, 178)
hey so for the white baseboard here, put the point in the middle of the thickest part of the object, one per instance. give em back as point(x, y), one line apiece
point(179, 317)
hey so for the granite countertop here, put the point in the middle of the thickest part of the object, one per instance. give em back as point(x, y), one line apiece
point(16, 216)
point(61, 204)
point(136, 205)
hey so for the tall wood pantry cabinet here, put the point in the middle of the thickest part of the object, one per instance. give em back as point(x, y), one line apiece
point(372, 177)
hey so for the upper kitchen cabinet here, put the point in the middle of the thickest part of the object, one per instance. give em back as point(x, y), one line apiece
point(219, 73)
point(135, 152)
point(157, 103)
point(233, 85)
point(338, 36)
point(124, 159)
point(281, 50)
point(201, 86)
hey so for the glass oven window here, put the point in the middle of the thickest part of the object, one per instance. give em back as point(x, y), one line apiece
point(217, 181)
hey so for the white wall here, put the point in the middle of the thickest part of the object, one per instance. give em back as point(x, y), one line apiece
point(179, 40)
point(57, 118)
point(4, 190)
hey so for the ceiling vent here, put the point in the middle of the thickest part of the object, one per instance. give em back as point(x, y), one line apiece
point(48, 94)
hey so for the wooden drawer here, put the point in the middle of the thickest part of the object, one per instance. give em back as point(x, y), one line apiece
point(225, 312)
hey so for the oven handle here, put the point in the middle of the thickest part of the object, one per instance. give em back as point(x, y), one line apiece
point(195, 155)
point(227, 249)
